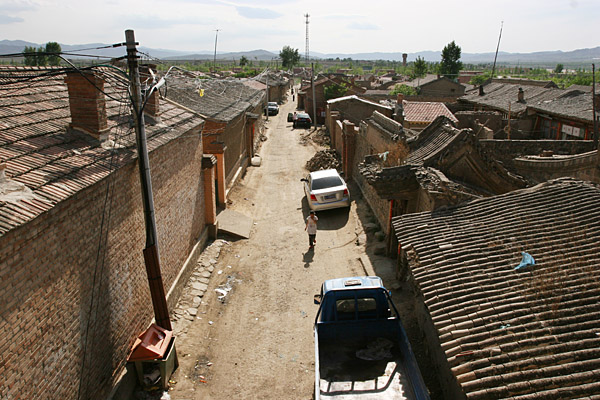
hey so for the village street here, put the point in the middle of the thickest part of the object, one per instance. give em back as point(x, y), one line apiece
point(258, 342)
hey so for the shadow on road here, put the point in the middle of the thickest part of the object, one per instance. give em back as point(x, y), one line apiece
point(308, 257)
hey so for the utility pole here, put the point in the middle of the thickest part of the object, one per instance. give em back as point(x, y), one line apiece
point(312, 83)
point(267, 83)
point(215, 57)
point(594, 105)
point(497, 48)
point(151, 257)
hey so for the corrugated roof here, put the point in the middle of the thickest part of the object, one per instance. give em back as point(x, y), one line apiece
point(222, 99)
point(55, 163)
point(526, 335)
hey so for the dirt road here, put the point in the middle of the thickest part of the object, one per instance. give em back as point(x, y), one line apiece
point(258, 343)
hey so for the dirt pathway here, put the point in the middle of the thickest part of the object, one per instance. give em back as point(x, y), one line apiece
point(258, 342)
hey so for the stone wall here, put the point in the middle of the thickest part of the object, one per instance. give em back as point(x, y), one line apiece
point(507, 150)
point(75, 293)
point(540, 169)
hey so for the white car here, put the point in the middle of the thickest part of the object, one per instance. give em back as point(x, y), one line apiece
point(326, 189)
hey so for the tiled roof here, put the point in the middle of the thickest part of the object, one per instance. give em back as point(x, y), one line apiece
point(54, 163)
point(417, 82)
point(222, 99)
point(508, 334)
point(432, 140)
point(573, 104)
point(425, 112)
point(356, 98)
point(498, 95)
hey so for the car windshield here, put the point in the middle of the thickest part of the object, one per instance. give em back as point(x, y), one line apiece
point(272, 104)
point(326, 182)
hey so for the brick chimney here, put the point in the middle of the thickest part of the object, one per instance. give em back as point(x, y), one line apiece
point(481, 92)
point(152, 105)
point(521, 96)
point(87, 104)
point(399, 109)
point(404, 56)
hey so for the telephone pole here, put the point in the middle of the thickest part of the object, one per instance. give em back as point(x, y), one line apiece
point(151, 257)
point(594, 105)
point(215, 57)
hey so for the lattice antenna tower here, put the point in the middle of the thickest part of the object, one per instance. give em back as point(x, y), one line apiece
point(306, 57)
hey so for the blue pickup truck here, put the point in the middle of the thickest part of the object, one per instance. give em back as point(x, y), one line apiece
point(361, 348)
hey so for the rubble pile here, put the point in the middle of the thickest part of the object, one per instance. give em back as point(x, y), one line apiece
point(324, 159)
point(321, 137)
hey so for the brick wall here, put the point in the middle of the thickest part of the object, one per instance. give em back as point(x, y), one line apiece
point(356, 110)
point(75, 292)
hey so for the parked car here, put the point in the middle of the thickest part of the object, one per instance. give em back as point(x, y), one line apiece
point(302, 121)
point(326, 189)
point(272, 108)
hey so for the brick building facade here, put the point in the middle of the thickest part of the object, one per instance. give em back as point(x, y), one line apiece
point(75, 293)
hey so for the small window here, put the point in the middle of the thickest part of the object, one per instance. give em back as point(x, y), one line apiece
point(367, 308)
point(345, 309)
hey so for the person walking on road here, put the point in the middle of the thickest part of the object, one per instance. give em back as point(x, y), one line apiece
point(311, 228)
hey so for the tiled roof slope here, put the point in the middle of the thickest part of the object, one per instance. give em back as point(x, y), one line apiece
point(498, 95)
point(432, 140)
point(54, 163)
point(222, 99)
point(574, 104)
point(509, 334)
point(426, 111)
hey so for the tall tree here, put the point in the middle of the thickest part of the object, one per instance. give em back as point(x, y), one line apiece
point(30, 55)
point(450, 65)
point(243, 61)
point(559, 68)
point(289, 57)
point(419, 67)
point(53, 50)
point(41, 56)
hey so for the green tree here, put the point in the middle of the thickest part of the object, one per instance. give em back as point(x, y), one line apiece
point(289, 57)
point(480, 79)
point(41, 56)
point(450, 65)
point(404, 89)
point(559, 68)
point(243, 61)
point(53, 50)
point(419, 67)
point(30, 55)
point(335, 90)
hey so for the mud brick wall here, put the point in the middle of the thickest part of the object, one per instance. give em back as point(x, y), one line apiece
point(74, 292)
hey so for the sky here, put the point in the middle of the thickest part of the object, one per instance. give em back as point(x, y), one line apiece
point(335, 26)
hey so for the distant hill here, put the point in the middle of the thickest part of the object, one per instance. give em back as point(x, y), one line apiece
point(547, 58)
point(250, 55)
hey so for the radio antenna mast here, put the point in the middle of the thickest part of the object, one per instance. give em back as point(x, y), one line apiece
point(306, 57)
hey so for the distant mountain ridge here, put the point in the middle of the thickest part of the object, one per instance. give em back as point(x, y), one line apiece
point(579, 56)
